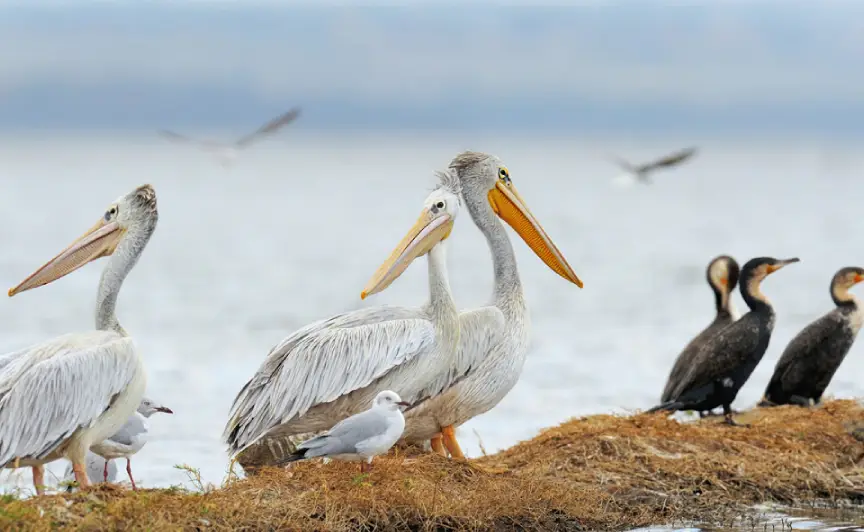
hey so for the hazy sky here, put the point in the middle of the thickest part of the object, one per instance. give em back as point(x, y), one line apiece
point(587, 65)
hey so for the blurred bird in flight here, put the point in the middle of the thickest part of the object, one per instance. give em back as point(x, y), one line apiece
point(640, 173)
point(227, 152)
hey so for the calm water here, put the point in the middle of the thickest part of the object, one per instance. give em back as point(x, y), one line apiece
point(293, 231)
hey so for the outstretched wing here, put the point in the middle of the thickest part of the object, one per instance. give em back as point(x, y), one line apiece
point(324, 361)
point(177, 137)
point(669, 160)
point(58, 387)
point(270, 127)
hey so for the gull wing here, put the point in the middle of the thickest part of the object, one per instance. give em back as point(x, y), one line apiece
point(270, 127)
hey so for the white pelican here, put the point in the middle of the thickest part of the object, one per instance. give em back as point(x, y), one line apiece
point(334, 368)
point(494, 337)
point(59, 397)
point(227, 152)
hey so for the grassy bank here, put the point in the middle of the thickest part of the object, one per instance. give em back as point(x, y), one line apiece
point(599, 472)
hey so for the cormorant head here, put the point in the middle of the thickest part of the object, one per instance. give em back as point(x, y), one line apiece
point(754, 271)
point(722, 275)
point(842, 281)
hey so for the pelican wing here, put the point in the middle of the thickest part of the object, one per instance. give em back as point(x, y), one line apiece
point(270, 127)
point(324, 361)
point(480, 330)
point(669, 160)
point(58, 387)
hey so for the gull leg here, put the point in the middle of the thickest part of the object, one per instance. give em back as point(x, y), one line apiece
point(129, 472)
point(438, 445)
point(449, 438)
point(80, 471)
point(105, 472)
point(39, 479)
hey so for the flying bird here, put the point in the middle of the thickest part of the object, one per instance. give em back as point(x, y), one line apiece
point(641, 172)
point(226, 152)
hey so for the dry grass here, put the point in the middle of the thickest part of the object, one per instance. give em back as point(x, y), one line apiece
point(599, 472)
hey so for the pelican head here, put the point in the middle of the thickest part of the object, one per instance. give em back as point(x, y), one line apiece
point(432, 227)
point(486, 184)
point(126, 225)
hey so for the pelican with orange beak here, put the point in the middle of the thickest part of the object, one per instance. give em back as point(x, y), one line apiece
point(333, 369)
point(493, 339)
point(59, 397)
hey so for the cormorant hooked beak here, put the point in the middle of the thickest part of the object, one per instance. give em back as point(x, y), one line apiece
point(780, 264)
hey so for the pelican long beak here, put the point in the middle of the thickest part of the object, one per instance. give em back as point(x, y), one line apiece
point(510, 207)
point(99, 241)
point(430, 229)
point(781, 263)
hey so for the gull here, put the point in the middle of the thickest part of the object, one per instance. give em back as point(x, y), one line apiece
point(641, 172)
point(226, 152)
point(362, 436)
point(95, 466)
point(129, 439)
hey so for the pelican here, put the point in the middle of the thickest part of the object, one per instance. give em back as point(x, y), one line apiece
point(332, 369)
point(227, 152)
point(59, 397)
point(495, 337)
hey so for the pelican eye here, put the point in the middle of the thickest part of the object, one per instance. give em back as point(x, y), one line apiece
point(504, 175)
point(110, 213)
point(440, 204)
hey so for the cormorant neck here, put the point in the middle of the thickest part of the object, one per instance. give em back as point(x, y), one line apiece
point(752, 292)
point(842, 297)
point(119, 264)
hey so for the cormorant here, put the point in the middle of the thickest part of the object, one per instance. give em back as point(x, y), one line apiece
point(722, 275)
point(725, 362)
point(813, 356)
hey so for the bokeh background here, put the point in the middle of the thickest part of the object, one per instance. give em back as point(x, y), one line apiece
point(291, 232)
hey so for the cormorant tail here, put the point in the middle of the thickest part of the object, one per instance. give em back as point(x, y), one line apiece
point(669, 406)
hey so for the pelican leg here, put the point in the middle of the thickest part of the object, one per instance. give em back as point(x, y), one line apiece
point(438, 445)
point(129, 472)
point(39, 479)
point(80, 471)
point(448, 436)
point(366, 466)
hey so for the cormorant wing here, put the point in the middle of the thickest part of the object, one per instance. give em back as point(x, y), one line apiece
point(802, 353)
point(722, 357)
point(270, 127)
point(669, 160)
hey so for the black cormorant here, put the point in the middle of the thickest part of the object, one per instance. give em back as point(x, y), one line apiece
point(722, 275)
point(811, 358)
point(725, 362)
